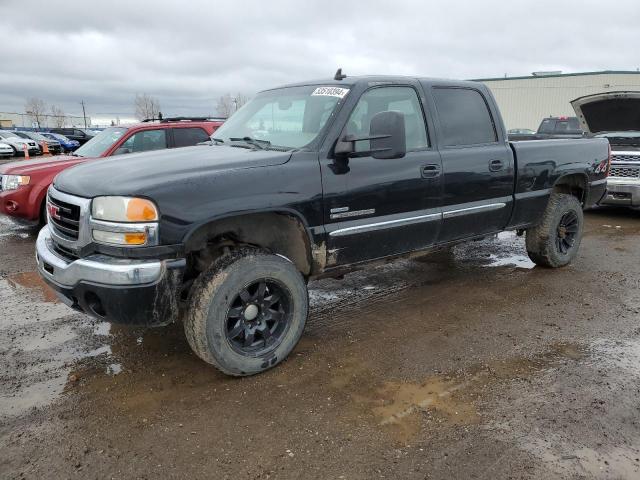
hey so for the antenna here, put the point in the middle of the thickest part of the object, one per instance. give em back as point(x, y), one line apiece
point(339, 75)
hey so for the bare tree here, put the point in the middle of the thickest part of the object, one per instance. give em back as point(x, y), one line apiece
point(58, 116)
point(225, 105)
point(146, 106)
point(36, 108)
point(228, 105)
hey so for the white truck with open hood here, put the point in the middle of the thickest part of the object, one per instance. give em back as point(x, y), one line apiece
point(616, 116)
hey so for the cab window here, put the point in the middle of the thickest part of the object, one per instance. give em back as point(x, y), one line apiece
point(399, 99)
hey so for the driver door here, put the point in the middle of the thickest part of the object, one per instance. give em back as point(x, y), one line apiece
point(380, 207)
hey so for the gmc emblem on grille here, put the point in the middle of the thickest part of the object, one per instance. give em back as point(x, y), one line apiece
point(54, 212)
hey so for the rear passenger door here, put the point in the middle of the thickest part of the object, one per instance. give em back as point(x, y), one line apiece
point(188, 136)
point(477, 164)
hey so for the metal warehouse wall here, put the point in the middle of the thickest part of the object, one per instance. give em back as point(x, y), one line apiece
point(525, 101)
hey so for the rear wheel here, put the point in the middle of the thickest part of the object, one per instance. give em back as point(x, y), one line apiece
point(247, 312)
point(556, 240)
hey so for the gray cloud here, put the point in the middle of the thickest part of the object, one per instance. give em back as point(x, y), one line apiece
point(189, 53)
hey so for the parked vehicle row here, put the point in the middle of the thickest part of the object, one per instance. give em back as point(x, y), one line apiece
point(24, 201)
point(307, 180)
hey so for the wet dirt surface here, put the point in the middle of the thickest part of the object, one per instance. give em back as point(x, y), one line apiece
point(472, 364)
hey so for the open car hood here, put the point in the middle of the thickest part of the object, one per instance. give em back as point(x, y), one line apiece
point(608, 112)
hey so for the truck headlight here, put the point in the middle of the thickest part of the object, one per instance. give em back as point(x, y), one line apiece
point(13, 182)
point(128, 221)
point(124, 209)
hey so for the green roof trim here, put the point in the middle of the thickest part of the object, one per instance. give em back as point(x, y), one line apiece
point(529, 77)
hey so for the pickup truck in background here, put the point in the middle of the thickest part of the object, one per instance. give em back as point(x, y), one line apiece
point(551, 127)
point(307, 180)
point(24, 184)
point(616, 117)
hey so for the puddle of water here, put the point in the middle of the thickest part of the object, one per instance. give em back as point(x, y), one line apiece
point(402, 404)
point(399, 407)
point(32, 281)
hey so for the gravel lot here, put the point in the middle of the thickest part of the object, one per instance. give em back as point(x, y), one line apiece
point(472, 365)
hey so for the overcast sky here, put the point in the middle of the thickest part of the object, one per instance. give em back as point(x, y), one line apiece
point(187, 53)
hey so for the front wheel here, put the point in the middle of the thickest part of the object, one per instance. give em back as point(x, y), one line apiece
point(247, 312)
point(555, 241)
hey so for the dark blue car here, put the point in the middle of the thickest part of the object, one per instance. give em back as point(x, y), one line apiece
point(67, 144)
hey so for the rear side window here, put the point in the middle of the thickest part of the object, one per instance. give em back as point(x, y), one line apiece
point(187, 137)
point(464, 117)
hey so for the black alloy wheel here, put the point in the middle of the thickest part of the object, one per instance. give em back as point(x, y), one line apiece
point(567, 231)
point(258, 318)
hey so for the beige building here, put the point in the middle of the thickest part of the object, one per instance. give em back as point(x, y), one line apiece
point(525, 101)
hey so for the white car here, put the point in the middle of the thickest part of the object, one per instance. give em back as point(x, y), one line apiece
point(18, 143)
point(6, 150)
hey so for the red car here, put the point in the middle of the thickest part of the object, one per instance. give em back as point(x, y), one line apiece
point(24, 184)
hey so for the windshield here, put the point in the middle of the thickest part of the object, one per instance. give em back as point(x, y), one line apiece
point(285, 118)
point(36, 136)
point(101, 142)
point(21, 135)
point(5, 134)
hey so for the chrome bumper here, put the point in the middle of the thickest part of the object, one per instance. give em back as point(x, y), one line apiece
point(97, 268)
point(622, 191)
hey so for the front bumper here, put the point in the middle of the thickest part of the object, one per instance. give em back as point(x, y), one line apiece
point(135, 292)
point(623, 192)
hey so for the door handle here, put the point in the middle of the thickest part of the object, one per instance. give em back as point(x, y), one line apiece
point(496, 165)
point(430, 171)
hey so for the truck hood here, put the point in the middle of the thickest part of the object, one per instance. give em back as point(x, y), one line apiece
point(142, 173)
point(28, 167)
point(609, 112)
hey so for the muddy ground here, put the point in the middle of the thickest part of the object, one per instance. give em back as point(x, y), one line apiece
point(475, 365)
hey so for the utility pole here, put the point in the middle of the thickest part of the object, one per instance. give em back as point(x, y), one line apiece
point(84, 114)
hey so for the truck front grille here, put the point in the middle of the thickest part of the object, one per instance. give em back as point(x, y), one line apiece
point(66, 221)
point(624, 171)
point(622, 157)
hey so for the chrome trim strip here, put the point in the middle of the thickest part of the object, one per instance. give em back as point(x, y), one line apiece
point(150, 228)
point(389, 223)
point(623, 181)
point(470, 210)
point(627, 153)
point(354, 213)
point(598, 182)
point(97, 268)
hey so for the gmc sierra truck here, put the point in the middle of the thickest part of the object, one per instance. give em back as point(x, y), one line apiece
point(616, 117)
point(307, 180)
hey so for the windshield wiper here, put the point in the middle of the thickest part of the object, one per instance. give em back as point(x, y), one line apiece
point(217, 140)
point(261, 144)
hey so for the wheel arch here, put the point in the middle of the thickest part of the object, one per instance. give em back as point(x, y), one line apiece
point(282, 232)
point(576, 184)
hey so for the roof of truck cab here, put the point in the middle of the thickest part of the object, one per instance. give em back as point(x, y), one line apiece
point(381, 79)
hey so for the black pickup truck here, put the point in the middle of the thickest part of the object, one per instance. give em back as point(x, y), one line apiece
point(307, 180)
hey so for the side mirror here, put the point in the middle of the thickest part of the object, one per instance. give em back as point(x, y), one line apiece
point(386, 136)
point(122, 151)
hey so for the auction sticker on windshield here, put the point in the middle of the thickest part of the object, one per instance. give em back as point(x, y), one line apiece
point(331, 91)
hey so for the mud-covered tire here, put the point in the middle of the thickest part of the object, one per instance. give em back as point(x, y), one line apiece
point(211, 302)
point(545, 242)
